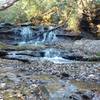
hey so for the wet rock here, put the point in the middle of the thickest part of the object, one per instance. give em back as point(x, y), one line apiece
point(12, 77)
point(96, 96)
point(4, 25)
point(75, 97)
point(63, 93)
point(28, 53)
point(1, 97)
point(2, 85)
point(3, 53)
point(85, 97)
point(64, 75)
point(93, 77)
point(41, 93)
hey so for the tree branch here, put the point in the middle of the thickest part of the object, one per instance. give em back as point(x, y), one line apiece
point(7, 4)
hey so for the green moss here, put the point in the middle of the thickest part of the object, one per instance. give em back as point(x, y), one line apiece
point(9, 96)
point(98, 54)
point(8, 81)
point(2, 45)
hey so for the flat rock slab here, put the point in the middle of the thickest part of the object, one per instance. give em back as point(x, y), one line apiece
point(92, 46)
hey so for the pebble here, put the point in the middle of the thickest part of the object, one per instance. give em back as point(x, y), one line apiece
point(2, 85)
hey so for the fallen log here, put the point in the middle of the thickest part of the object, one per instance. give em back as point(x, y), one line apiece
point(81, 58)
point(19, 59)
point(4, 55)
point(73, 37)
point(7, 4)
point(6, 32)
point(7, 25)
point(6, 28)
point(34, 54)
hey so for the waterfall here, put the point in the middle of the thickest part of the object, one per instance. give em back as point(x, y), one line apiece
point(49, 37)
point(26, 34)
point(54, 56)
point(50, 53)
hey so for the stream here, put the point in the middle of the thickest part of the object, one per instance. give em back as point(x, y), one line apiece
point(24, 36)
point(46, 66)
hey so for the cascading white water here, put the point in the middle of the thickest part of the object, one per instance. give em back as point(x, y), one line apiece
point(50, 53)
point(26, 33)
point(49, 37)
point(54, 56)
point(27, 36)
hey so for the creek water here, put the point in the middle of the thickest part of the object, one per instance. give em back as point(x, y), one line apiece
point(50, 54)
point(58, 89)
point(63, 89)
point(27, 36)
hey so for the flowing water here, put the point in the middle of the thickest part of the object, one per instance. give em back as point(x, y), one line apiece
point(58, 89)
point(54, 55)
point(50, 53)
point(49, 37)
point(27, 36)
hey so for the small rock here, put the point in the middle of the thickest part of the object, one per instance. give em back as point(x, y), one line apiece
point(41, 93)
point(96, 96)
point(64, 75)
point(2, 85)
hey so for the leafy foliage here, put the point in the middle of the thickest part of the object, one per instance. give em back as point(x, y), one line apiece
point(47, 11)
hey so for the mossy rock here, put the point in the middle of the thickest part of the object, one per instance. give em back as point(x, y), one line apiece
point(98, 54)
point(3, 46)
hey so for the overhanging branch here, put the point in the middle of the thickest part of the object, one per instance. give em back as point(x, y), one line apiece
point(7, 4)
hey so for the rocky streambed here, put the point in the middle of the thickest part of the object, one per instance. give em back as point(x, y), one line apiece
point(51, 66)
point(44, 80)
